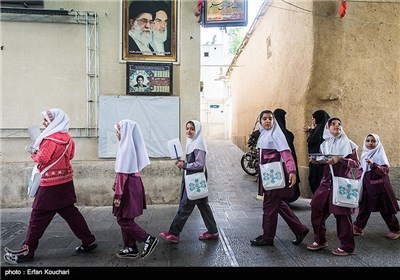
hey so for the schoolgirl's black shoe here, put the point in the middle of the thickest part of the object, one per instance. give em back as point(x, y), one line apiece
point(128, 252)
point(259, 241)
point(300, 237)
point(149, 245)
point(86, 249)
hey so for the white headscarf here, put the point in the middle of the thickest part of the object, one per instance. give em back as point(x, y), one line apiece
point(273, 138)
point(197, 141)
point(339, 145)
point(377, 154)
point(58, 122)
point(132, 153)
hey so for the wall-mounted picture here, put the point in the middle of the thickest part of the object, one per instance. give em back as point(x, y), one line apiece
point(225, 13)
point(149, 79)
point(149, 30)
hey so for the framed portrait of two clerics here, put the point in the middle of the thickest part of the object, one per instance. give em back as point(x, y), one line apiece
point(149, 30)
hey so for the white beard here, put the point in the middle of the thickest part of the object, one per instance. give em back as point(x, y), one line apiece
point(159, 37)
point(141, 36)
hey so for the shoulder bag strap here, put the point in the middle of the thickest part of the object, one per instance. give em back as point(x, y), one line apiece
point(333, 175)
point(361, 179)
point(51, 165)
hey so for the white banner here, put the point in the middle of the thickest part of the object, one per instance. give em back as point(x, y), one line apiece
point(157, 116)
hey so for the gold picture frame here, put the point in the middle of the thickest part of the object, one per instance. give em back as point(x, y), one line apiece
point(143, 43)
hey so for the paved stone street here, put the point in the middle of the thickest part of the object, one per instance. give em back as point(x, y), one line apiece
point(238, 214)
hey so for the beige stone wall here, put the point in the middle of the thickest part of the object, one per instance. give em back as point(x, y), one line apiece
point(349, 67)
point(44, 66)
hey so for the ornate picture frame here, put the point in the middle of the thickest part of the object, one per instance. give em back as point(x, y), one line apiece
point(149, 79)
point(149, 30)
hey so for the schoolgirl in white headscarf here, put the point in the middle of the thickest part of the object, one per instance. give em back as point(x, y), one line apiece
point(129, 197)
point(273, 138)
point(378, 194)
point(339, 145)
point(343, 157)
point(273, 147)
point(58, 121)
point(56, 193)
point(197, 141)
point(377, 154)
point(132, 153)
point(195, 162)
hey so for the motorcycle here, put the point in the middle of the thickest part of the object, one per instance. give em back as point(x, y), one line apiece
point(249, 160)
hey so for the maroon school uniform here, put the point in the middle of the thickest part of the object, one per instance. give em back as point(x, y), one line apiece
point(273, 200)
point(133, 201)
point(378, 196)
point(322, 205)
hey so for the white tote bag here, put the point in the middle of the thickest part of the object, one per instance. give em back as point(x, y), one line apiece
point(34, 182)
point(196, 185)
point(346, 192)
point(272, 175)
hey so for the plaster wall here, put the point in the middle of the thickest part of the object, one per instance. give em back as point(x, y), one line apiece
point(44, 66)
point(348, 66)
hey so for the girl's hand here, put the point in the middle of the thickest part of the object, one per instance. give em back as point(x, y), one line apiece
point(117, 202)
point(292, 179)
point(30, 149)
point(179, 164)
point(306, 128)
point(369, 161)
point(334, 159)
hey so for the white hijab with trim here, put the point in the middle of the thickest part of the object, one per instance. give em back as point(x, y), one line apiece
point(197, 141)
point(58, 122)
point(377, 154)
point(336, 145)
point(132, 153)
point(273, 138)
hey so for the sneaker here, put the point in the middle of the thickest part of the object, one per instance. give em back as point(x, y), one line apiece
point(315, 246)
point(85, 249)
point(24, 250)
point(128, 252)
point(206, 236)
point(149, 246)
point(339, 252)
point(357, 231)
point(393, 235)
point(16, 259)
point(169, 237)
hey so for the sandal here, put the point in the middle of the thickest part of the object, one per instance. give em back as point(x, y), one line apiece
point(339, 252)
point(315, 246)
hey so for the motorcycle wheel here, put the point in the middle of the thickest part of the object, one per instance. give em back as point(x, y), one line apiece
point(246, 163)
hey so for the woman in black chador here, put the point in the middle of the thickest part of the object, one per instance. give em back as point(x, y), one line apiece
point(314, 141)
point(280, 117)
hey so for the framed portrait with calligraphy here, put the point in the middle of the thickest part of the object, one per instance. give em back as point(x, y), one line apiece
point(225, 13)
point(148, 79)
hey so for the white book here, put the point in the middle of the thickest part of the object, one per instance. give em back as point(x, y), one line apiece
point(34, 132)
point(175, 148)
